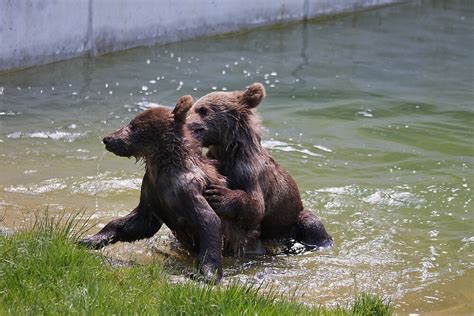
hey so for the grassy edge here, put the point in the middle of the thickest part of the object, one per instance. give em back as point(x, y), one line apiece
point(43, 271)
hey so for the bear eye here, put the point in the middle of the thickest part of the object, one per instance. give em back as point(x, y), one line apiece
point(202, 111)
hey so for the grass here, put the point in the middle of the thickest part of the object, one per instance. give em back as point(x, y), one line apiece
point(42, 271)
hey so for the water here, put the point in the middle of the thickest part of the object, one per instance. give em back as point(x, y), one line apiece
point(372, 114)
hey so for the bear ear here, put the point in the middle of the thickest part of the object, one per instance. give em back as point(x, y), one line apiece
point(253, 95)
point(182, 107)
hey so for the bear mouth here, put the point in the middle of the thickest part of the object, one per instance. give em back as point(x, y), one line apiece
point(118, 150)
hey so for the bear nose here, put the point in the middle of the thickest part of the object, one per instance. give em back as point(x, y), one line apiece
point(106, 140)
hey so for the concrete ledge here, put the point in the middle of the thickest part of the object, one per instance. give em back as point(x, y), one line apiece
point(36, 32)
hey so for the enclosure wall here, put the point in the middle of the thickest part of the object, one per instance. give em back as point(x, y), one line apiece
point(35, 32)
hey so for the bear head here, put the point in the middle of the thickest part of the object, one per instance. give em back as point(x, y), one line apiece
point(149, 132)
point(217, 118)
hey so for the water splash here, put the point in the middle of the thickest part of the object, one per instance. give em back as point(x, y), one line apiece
point(56, 135)
point(145, 105)
point(282, 146)
point(366, 113)
point(10, 113)
point(97, 174)
point(46, 186)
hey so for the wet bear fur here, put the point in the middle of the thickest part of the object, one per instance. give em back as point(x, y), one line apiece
point(176, 175)
point(260, 192)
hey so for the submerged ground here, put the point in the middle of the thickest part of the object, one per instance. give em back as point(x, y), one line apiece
point(371, 113)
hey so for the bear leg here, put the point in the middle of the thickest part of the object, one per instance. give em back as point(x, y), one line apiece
point(134, 226)
point(310, 231)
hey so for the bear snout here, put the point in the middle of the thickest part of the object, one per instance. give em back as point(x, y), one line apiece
point(106, 140)
point(110, 144)
point(118, 147)
point(117, 143)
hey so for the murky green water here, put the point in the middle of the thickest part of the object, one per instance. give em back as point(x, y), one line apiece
point(372, 113)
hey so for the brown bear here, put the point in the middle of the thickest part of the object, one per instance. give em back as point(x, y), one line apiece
point(260, 192)
point(172, 190)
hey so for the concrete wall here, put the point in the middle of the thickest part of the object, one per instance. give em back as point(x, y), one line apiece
point(34, 32)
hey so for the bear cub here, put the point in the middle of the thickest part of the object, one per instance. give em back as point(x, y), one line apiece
point(260, 192)
point(176, 175)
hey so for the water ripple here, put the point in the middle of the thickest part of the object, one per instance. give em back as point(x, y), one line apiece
point(282, 146)
point(46, 186)
point(56, 135)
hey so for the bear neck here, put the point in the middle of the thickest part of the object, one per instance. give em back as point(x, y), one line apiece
point(175, 153)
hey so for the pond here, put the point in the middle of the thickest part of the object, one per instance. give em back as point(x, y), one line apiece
point(372, 113)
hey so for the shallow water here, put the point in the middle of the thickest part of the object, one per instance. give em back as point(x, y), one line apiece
point(372, 114)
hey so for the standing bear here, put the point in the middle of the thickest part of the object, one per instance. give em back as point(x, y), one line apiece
point(172, 190)
point(260, 192)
